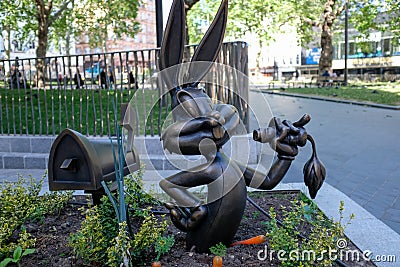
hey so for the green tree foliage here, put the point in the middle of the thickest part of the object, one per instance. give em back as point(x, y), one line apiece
point(51, 19)
point(243, 17)
point(393, 11)
point(199, 17)
point(188, 6)
point(102, 20)
point(383, 15)
point(314, 20)
point(266, 19)
point(8, 18)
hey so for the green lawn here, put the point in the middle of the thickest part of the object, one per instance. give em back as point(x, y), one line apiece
point(381, 93)
point(89, 111)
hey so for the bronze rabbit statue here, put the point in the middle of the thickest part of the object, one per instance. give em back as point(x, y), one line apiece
point(201, 128)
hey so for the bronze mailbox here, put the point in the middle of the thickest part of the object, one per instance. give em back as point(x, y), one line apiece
point(77, 163)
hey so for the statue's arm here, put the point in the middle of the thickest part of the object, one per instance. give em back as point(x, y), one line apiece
point(283, 137)
point(259, 180)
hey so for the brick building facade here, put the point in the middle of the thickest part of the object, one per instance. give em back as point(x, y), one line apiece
point(146, 38)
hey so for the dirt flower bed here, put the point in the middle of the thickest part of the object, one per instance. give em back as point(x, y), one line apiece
point(53, 233)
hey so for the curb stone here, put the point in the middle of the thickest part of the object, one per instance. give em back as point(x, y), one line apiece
point(351, 102)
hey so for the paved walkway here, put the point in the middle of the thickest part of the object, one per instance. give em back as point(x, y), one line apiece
point(359, 146)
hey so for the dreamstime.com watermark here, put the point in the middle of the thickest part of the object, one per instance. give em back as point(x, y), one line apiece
point(338, 253)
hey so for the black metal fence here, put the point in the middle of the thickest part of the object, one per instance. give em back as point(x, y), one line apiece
point(82, 92)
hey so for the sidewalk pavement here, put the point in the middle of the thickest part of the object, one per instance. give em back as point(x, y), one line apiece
point(359, 146)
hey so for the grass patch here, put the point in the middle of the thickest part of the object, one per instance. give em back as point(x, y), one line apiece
point(89, 111)
point(380, 93)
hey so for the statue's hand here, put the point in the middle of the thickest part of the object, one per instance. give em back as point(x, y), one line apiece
point(187, 219)
point(229, 119)
point(289, 136)
point(216, 123)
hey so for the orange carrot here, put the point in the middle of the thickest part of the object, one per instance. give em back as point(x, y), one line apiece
point(217, 261)
point(156, 264)
point(251, 241)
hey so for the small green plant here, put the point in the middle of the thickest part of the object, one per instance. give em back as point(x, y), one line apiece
point(323, 234)
point(163, 245)
point(17, 256)
point(282, 196)
point(218, 250)
point(256, 214)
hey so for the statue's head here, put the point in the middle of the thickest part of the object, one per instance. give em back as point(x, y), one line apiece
point(182, 80)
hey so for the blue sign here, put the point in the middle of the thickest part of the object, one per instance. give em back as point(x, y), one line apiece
point(313, 56)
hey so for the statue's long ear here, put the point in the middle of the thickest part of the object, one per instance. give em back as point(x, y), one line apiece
point(210, 45)
point(173, 43)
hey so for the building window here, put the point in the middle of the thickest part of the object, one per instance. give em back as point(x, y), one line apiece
point(151, 6)
point(386, 47)
point(352, 49)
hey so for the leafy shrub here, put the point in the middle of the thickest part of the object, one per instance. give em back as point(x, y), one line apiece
point(20, 202)
point(150, 232)
point(120, 250)
point(103, 241)
point(322, 237)
point(97, 231)
point(163, 245)
point(135, 197)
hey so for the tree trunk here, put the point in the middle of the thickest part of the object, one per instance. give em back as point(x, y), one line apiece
point(259, 52)
point(8, 51)
point(43, 32)
point(325, 62)
point(68, 44)
point(41, 54)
